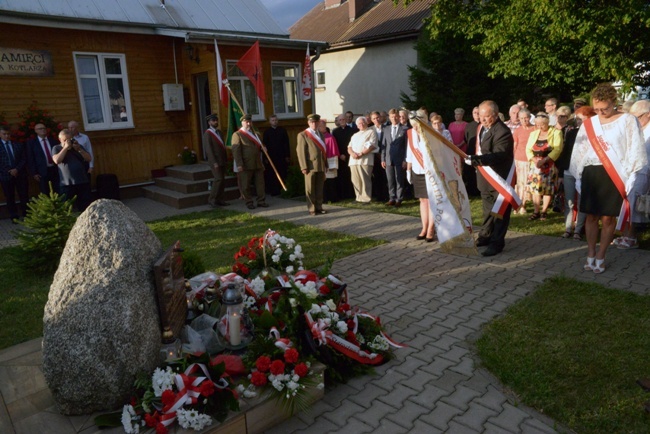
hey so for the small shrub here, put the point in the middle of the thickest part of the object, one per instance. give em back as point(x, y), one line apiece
point(46, 228)
point(295, 183)
point(192, 264)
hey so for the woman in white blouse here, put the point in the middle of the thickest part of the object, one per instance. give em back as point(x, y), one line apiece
point(600, 198)
point(363, 145)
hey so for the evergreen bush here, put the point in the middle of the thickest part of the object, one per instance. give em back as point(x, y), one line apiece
point(45, 231)
point(295, 183)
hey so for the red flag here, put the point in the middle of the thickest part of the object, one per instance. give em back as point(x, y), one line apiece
point(306, 78)
point(222, 79)
point(251, 66)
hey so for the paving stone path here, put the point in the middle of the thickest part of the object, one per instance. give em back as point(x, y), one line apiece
point(436, 303)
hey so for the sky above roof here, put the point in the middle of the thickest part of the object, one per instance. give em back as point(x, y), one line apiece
point(287, 12)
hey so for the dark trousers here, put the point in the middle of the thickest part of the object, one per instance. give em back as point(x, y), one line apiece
point(218, 185)
point(379, 181)
point(10, 187)
point(396, 176)
point(246, 180)
point(494, 229)
point(314, 185)
point(53, 177)
point(82, 191)
point(273, 186)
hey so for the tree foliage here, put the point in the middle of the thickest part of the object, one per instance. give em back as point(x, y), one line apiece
point(574, 43)
point(450, 75)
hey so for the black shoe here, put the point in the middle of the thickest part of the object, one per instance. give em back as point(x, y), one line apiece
point(250, 206)
point(321, 211)
point(482, 242)
point(263, 205)
point(420, 237)
point(223, 203)
point(491, 251)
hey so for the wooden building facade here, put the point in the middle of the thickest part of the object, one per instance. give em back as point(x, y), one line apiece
point(98, 67)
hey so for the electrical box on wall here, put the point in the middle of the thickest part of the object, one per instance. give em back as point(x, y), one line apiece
point(173, 97)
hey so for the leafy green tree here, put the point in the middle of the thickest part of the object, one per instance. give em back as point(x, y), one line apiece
point(450, 74)
point(574, 43)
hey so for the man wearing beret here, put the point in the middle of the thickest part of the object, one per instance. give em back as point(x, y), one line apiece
point(312, 157)
point(215, 149)
point(247, 153)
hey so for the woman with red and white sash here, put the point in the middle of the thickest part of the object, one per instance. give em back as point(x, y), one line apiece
point(608, 152)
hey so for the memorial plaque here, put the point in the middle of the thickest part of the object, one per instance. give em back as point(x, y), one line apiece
point(170, 288)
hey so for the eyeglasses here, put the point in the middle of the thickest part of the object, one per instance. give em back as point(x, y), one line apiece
point(541, 115)
point(41, 128)
point(549, 105)
point(562, 116)
point(604, 110)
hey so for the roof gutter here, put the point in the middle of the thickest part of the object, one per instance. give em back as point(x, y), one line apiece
point(246, 39)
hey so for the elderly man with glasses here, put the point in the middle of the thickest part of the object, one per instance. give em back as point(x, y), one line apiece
point(39, 160)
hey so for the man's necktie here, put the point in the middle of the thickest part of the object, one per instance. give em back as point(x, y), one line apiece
point(393, 133)
point(46, 146)
point(9, 152)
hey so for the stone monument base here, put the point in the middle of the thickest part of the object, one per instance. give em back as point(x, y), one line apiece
point(27, 407)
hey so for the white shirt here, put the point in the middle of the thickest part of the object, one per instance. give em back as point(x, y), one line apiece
point(84, 141)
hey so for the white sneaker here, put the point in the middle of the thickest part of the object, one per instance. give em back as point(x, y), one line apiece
point(617, 241)
point(628, 243)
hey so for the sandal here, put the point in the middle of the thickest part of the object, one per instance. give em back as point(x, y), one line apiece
point(567, 234)
point(628, 243)
point(543, 217)
point(577, 237)
point(534, 216)
point(599, 266)
point(589, 266)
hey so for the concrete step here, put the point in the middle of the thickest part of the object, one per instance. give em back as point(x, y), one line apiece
point(190, 172)
point(180, 200)
point(182, 185)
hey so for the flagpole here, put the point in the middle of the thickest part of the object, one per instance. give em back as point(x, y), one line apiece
point(232, 95)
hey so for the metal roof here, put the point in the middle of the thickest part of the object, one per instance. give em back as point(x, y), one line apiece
point(163, 16)
point(379, 21)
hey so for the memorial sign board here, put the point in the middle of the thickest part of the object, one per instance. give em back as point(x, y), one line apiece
point(170, 289)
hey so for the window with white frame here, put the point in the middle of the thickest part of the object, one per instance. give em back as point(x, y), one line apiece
point(320, 78)
point(104, 90)
point(244, 90)
point(286, 97)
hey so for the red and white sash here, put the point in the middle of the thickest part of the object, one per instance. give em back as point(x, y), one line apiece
point(612, 164)
point(318, 141)
point(216, 137)
point(505, 187)
point(414, 141)
point(253, 137)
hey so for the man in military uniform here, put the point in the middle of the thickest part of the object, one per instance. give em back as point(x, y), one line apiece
point(215, 150)
point(247, 153)
point(312, 157)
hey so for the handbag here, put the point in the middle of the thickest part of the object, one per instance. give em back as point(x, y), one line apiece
point(558, 200)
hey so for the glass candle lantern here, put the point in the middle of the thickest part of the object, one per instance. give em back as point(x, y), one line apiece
point(235, 326)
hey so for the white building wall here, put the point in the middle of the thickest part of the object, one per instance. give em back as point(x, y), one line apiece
point(362, 79)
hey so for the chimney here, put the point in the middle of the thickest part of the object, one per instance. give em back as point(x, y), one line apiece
point(356, 6)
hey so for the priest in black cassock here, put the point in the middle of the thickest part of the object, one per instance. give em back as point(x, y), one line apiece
point(276, 141)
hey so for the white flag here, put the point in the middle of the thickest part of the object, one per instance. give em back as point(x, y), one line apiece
point(306, 77)
point(447, 195)
point(221, 77)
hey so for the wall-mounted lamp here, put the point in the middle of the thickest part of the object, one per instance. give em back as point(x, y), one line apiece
point(192, 53)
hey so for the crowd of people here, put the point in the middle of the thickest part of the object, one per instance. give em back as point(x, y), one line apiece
point(557, 158)
point(66, 165)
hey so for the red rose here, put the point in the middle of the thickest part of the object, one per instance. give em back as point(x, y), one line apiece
point(207, 388)
point(350, 324)
point(152, 419)
point(277, 367)
point(252, 256)
point(244, 269)
point(324, 290)
point(344, 307)
point(276, 296)
point(253, 243)
point(263, 364)
point(161, 429)
point(301, 370)
point(242, 251)
point(258, 379)
point(168, 397)
point(238, 255)
point(291, 355)
point(351, 337)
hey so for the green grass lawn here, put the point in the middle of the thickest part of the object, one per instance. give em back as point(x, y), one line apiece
point(573, 351)
point(214, 235)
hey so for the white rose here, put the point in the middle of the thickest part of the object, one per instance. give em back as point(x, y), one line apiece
point(331, 305)
point(342, 326)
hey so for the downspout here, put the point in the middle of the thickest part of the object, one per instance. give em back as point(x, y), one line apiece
point(313, 93)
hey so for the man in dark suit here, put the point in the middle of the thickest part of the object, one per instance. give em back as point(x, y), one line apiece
point(469, 174)
point(496, 151)
point(39, 160)
point(247, 153)
point(379, 181)
point(349, 121)
point(13, 173)
point(343, 133)
point(393, 158)
point(276, 140)
point(312, 157)
point(215, 150)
